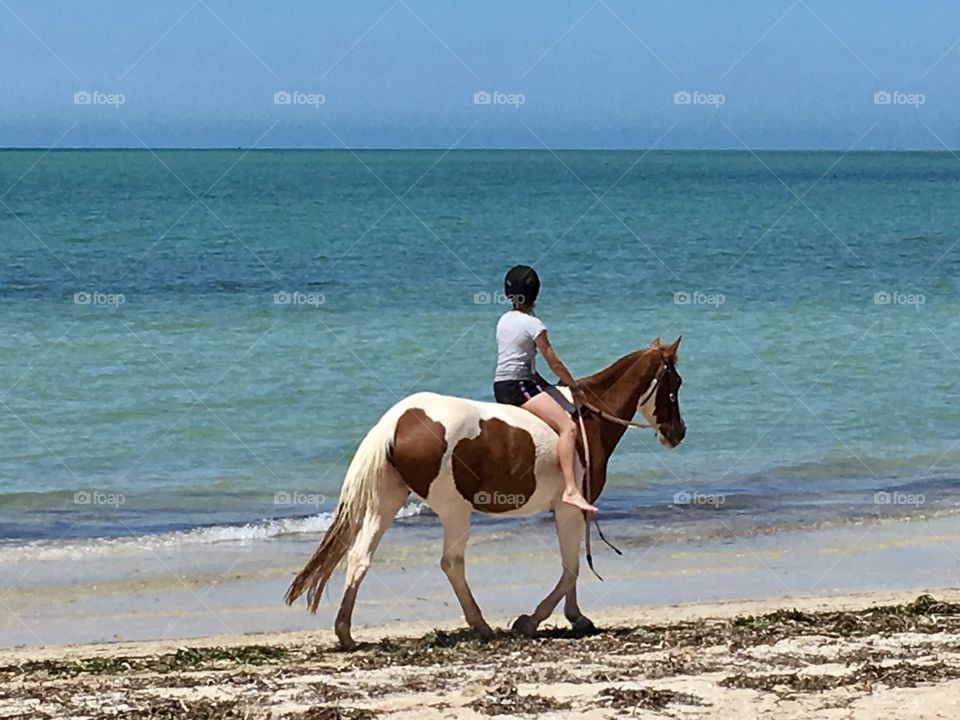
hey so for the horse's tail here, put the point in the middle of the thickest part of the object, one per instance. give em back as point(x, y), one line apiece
point(360, 492)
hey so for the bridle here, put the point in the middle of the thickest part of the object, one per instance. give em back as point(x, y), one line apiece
point(654, 386)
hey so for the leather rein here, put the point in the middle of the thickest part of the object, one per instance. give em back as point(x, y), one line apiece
point(586, 454)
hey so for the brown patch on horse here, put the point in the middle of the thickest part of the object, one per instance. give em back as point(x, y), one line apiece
point(494, 470)
point(419, 444)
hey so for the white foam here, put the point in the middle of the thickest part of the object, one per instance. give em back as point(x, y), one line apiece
point(239, 534)
point(413, 509)
point(219, 534)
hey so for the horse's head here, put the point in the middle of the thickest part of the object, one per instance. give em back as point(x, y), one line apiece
point(660, 402)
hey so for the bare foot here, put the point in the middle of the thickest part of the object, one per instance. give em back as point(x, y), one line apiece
point(578, 501)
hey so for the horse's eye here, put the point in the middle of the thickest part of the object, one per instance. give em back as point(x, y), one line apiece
point(673, 397)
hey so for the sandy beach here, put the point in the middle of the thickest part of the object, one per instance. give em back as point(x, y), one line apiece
point(851, 620)
point(867, 655)
point(273, 273)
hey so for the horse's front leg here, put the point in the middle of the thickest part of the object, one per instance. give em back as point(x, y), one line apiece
point(570, 523)
point(571, 611)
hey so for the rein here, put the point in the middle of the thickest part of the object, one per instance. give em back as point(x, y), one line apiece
point(613, 418)
point(586, 490)
point(586, 455)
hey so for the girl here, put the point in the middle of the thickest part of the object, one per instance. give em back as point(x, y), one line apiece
point(519, 335)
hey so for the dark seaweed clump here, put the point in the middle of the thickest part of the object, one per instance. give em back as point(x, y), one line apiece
point(504, 699)
point(176, 709)
point(182, 659)
point(643, 698)
point(865, 677)
point(332, 712)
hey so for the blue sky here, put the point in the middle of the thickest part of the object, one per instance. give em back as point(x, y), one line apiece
point(379, 73)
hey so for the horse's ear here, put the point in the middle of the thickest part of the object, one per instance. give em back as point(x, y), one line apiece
point(655, 343)
point(672, 347)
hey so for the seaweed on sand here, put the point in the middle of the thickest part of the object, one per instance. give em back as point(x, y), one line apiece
point(644, 698)
point(183, 659)
point(923, 615)
point(332, 712)
point(177, 709)
point(865, 677)
point(504, 699)
point(261, 677)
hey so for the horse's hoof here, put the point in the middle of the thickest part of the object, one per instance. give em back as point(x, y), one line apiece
point(524, 625)
point(583, 624)
point(484, 631)
point(346, 641)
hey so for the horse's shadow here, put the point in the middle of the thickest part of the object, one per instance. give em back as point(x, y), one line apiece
point(466, 636)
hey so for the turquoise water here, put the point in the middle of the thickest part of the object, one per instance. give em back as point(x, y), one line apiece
point(198, 398)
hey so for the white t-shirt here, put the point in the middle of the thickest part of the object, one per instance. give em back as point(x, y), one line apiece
point(516, 349)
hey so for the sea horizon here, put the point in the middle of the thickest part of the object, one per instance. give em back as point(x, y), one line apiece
point(441, 148)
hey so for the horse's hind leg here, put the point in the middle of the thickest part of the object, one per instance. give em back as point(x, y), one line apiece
point(456, 530)
point(393, 492)
point(569, 522)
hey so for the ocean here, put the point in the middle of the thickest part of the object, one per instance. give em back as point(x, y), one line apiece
point(194, 342)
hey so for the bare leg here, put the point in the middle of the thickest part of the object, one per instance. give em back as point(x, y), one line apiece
point(550, 411)
point(392, 495)
point(456, 530)
point(570, 524)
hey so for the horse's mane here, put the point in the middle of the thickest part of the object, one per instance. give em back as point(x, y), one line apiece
point(616, 369)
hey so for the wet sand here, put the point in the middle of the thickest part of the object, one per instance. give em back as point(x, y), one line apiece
point(840, 623)
point(868, 655)
point(137, 593)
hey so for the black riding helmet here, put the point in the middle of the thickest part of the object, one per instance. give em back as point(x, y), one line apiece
point(521, 285)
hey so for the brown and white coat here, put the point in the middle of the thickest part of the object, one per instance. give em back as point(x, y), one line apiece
point(461, 456)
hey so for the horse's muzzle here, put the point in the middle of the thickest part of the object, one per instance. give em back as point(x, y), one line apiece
point(672, 435)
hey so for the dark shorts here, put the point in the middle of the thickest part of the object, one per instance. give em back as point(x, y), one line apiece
point(517, 392)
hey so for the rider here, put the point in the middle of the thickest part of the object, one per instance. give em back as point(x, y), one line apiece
point(520, 334)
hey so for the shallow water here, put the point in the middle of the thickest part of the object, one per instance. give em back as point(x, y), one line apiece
point(819, 336)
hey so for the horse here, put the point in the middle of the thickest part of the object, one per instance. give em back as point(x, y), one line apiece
point(460, 456)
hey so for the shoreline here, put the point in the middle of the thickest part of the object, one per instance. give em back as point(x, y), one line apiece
point(372, 634)
point(853, 655)
point(237, 588)
point(632, 498)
